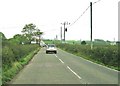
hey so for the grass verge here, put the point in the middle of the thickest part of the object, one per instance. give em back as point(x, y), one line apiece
point(16, 67)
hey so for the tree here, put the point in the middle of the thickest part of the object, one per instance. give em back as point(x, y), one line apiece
point(38, 34)
point(29, 30)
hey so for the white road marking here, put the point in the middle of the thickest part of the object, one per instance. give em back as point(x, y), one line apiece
point(69, 68)
point(61, 61)
point(99, 65)
point(91, 61)
point(74, 72)
point(55, 55)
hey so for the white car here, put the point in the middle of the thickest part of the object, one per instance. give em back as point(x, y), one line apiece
point(51, 48)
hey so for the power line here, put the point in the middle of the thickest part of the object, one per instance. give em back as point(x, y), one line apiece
point(96, 2)
point(79, 17)
point(83, 13)
point(76, 19)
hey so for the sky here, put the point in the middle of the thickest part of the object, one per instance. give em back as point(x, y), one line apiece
point(48, 15)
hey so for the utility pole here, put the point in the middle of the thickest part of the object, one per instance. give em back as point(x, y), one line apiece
point(65, 29)
point(61, 33)
point(91, 24)
point(56, 37)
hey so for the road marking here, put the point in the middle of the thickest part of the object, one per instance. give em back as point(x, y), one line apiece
point(74, 72)
point(55, 55)
point(91, 61)
point(69, 68)
point(61, 61)
point(99, 65)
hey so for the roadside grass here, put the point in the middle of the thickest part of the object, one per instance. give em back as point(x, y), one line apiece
point(16, 67)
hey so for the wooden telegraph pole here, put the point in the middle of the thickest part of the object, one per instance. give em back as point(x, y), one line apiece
point(61, 33)
point(65, 29)
point(91, 24)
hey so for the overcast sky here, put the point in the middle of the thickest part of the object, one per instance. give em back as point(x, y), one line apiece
point(48, 15)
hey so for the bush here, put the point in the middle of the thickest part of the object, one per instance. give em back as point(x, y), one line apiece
point(83, 43)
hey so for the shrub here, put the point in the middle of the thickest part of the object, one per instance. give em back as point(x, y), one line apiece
point(83, 43)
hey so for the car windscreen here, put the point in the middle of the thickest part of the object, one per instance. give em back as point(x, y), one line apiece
point(51, 45)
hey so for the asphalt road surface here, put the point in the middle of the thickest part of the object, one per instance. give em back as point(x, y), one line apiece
point(64, 68)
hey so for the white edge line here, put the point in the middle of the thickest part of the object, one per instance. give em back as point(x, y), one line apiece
point(94, 62)
point(100, 65)
point(74, 72)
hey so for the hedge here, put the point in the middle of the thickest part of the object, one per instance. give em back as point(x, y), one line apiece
point(14, 57)
point(103, 54)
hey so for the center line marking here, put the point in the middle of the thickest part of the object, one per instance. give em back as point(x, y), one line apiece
point(55, 55)
point(61, 61)
point(74, 72)
point(69, 68)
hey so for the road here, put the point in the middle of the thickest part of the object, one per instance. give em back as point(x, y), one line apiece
point(64, 68)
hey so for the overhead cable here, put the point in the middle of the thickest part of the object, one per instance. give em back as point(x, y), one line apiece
point(82, 14)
